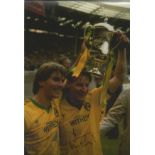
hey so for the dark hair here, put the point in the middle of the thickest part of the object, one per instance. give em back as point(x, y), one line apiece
point(44, 73)
point(71, 78)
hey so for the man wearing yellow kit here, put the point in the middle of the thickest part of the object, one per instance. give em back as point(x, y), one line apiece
point(42, 111)
point(81, 112)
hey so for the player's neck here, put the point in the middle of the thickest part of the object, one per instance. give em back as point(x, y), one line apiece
point(42, 100)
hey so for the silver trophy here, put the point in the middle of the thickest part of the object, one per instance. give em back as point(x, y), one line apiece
point(101, 40)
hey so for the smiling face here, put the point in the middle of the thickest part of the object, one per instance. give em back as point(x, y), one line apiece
point(78, 89)
point(52, 87)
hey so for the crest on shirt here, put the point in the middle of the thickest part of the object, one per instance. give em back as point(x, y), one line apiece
point(50, 125)
point(87, 106)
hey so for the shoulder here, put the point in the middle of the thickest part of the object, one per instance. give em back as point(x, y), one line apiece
point(126, 92)
point(31, 114)
point(27, 114)
point(96, 94)
point(124, 98)
point(30, 111)
point(125, 95)
point(28, 106)
point(95, 91)
point(26, 101)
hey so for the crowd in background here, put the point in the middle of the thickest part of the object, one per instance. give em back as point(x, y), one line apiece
point(34, 59)
point(40, 48)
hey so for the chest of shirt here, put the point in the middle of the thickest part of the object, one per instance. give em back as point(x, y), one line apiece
point(44, 125)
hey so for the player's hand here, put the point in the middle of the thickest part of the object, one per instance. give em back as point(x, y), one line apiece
point(122, 39)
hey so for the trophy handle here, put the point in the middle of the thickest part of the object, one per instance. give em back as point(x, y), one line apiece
point(88, 35)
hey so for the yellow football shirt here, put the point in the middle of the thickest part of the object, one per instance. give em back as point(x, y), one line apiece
point(41, 129)
point(79, 129)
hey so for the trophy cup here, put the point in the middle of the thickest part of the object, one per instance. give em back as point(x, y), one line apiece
point(99, 39)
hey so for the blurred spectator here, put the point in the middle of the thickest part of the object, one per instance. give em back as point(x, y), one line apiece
point(65, 61)
point(119, 114)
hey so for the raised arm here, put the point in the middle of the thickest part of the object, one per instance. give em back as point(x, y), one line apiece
point(119, 71)
point(120, 68)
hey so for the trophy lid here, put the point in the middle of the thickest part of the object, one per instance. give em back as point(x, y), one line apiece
point(105, 25)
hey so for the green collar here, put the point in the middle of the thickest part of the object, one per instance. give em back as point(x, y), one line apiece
point(40, 105)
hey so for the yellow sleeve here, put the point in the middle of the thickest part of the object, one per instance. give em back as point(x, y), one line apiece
point(27, 119)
